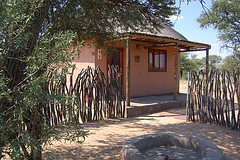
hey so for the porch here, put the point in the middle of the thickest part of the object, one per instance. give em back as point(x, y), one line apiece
point(151, 104)
point(157, 47)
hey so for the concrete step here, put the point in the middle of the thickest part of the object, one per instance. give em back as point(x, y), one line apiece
point(152, 104)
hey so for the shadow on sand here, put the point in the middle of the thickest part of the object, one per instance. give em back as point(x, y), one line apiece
point(106, 137)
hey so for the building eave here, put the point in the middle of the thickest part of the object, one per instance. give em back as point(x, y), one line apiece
point(184, 45)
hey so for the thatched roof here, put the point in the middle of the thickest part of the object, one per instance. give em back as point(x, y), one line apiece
point(165, 37)
point(166, 31)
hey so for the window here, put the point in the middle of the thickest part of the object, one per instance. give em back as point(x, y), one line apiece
point(157, 60)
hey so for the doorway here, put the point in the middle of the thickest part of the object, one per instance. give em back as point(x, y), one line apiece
point(115, 58)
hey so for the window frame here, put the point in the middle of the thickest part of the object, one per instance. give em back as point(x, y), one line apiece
point(157, 52)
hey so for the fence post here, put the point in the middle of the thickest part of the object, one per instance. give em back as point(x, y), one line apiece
point(187, 99)
point(207, 64)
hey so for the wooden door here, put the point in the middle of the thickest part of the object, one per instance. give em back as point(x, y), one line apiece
point(115, 58)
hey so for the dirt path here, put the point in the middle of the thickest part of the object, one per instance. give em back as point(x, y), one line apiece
point(106, 137)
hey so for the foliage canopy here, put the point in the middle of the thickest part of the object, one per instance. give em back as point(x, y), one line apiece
point(35, 36)
point(192, 63)
point(231, 62)
point(224, 15)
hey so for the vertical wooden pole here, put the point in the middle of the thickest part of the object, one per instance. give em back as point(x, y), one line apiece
point(176, 73)
point(187, 104)
point(128, 53)
point(207, 64)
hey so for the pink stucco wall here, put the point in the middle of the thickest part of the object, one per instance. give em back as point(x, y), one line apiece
point(102, 63)
point(143, 82)
point(84, 57)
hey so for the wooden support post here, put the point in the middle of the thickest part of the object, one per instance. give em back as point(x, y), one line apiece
point(128, 53)
point(187, 104)
point(207, 64)
point(176, 73)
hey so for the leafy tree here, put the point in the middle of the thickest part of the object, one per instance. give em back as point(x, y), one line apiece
point(189, 63)
point(192, 63)
point(185, 65)
point(231, 63)
point(185, 62)
point(34, 40)
point(196, 62)
point(214, 62)
point(224, 15)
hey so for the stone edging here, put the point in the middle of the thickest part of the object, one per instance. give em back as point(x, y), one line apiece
point(132, 149)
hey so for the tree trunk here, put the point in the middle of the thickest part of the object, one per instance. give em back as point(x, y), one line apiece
point(14, 63)
point(14, 67)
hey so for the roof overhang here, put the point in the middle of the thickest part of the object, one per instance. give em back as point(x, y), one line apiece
point(158, 41)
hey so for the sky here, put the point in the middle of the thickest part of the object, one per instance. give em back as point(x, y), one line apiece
point(187, 25)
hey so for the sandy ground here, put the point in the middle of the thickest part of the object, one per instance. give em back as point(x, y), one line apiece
point(106, 137)
point(183, 86)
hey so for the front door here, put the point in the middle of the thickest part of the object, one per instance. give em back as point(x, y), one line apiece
point(115, 58)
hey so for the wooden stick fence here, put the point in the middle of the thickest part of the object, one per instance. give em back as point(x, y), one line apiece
point(215, 100)
point(88, 97)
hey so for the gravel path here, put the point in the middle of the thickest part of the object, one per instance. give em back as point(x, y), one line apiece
point(106, 137)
